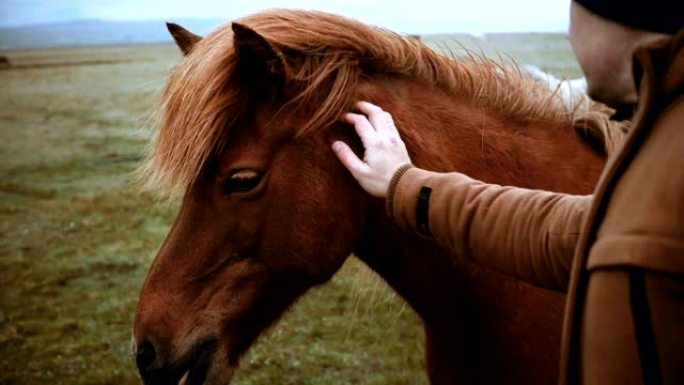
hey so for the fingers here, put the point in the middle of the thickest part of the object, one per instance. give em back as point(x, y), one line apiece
point(381, 120)
point(363, 127)
point(355, 165)
point(384, 150)
point(367, 108)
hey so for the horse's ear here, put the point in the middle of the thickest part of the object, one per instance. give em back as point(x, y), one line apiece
point(184, 38)
point(256, 54)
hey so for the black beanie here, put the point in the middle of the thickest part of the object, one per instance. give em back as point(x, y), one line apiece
point(664, 16)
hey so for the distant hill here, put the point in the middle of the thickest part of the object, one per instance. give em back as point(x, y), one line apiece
point(97, 32)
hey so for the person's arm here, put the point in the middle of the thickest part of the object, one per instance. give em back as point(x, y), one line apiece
point(528, 234)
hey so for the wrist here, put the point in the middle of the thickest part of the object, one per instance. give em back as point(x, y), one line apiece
point(391, 188)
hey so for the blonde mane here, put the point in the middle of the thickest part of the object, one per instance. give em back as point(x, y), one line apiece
point(329, 56)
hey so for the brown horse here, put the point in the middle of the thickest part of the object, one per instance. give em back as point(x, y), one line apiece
point(268, 211)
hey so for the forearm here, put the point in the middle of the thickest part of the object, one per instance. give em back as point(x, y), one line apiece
point(528, 234)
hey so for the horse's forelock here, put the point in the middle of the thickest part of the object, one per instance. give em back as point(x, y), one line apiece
point(197, 106)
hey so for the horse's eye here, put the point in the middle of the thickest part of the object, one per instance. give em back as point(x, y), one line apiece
point(242, 181)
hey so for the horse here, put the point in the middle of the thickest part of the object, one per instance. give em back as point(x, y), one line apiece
point(267, 211)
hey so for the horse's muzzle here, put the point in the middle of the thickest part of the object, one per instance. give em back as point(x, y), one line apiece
point(191, 370)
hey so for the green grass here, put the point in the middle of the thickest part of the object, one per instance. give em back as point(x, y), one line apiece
point(77, 237)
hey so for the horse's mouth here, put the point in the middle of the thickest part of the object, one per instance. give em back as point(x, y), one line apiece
point(190, 370)
point(198, 363)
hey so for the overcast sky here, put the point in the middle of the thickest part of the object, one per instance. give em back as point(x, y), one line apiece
point(408, 16)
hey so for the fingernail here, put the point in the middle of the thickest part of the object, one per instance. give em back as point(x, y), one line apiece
point(336, 146)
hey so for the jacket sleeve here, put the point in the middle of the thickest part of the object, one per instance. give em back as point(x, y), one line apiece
point(528, 234)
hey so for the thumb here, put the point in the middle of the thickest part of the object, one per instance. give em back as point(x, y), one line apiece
point(352, 162)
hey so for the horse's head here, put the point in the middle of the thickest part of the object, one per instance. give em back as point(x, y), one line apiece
point(267, 213)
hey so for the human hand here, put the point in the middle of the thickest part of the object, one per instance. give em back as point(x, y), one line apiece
point(385, 152)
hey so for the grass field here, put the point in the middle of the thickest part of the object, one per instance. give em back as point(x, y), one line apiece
point(77, 236)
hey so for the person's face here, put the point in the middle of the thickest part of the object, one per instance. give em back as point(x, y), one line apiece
point(604, 51)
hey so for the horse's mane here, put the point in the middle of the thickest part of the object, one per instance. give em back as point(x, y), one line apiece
point(330, 55)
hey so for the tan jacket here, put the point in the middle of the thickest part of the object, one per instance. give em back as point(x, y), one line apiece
point(620, 251)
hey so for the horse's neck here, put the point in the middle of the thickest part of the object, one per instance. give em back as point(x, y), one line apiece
point(442, 133)
point(449, 133)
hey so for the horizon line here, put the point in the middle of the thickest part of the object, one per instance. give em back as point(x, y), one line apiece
point(218, 20)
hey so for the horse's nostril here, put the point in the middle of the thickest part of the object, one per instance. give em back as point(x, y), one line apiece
point(145, 356)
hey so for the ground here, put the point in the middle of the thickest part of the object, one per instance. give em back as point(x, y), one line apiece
point(77, 235)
